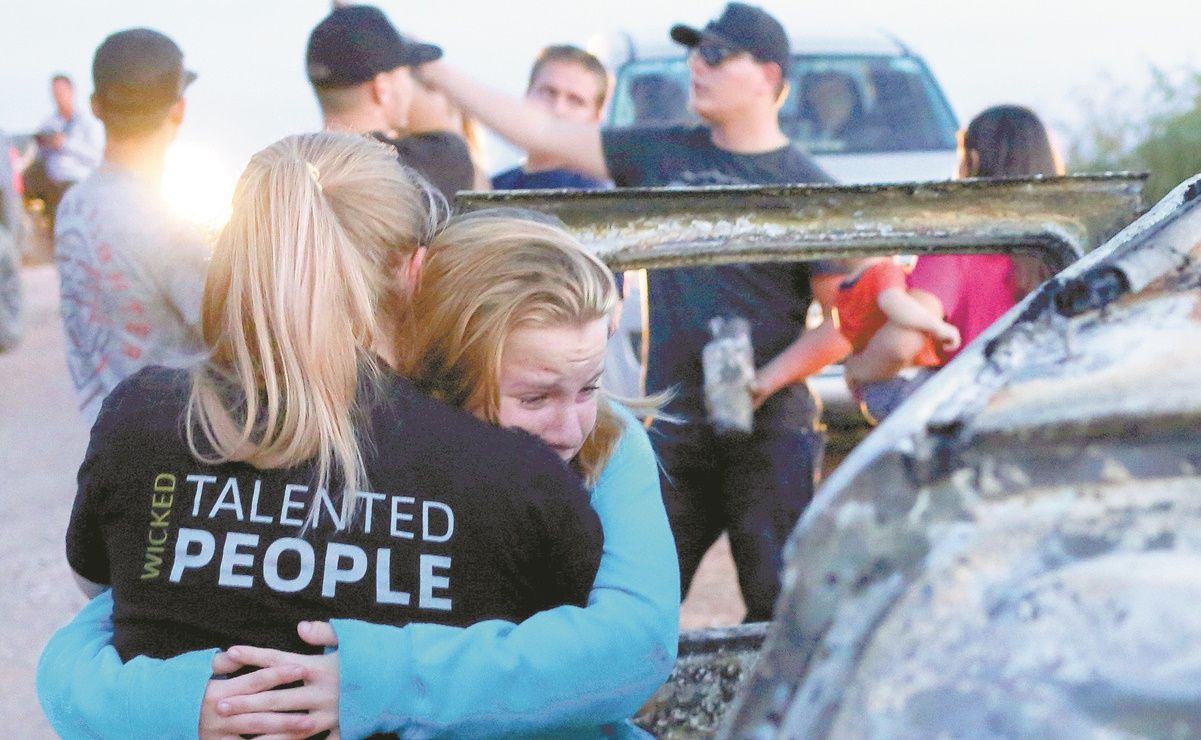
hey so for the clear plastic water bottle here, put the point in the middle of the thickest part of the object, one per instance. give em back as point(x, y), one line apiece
point(728, 363)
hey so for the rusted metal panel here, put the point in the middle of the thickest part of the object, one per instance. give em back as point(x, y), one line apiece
point(1057, 217)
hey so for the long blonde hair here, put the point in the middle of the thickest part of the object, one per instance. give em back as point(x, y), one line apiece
point(301, 293)
point(485, 275)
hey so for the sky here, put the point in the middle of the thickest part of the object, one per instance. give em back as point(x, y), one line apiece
point(251, 91)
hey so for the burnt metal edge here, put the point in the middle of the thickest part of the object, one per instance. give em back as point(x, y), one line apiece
point(739, 637)
point(1135, 267)
point(470, 200)
point(669, 227)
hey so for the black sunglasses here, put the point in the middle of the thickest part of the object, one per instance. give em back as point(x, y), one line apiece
point(715, 54)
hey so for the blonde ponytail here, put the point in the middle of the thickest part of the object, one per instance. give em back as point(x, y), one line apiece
point(300, 297)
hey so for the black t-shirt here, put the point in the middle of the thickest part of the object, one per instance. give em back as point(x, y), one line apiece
point(774, 297)
point(464, 522)
point(440, 156)
point(518, 179)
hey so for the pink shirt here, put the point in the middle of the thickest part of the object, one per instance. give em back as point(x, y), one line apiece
point(975, 289)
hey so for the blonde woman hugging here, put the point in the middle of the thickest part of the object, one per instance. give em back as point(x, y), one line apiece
point(447, 588)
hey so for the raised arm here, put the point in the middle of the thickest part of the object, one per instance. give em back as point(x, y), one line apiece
point(567, 667)
point(577, 145)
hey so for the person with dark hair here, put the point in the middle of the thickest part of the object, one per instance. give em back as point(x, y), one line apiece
point(971, 291)
point(659, 100)
point(69, 148)
point(1007, 141)
point(974, 290)
point(360, 69)
point(569, 84)
point(752, 487)
point(131, 272)
point(833, 109)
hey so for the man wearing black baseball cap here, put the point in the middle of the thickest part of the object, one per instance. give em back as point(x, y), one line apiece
point(132, 273)
point(360, 70)
point(753, 488)
point(740, 27)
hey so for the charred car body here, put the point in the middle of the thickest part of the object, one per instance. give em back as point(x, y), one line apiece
point(1014, 554)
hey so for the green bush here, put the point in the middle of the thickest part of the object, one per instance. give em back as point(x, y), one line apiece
point(1158, 132)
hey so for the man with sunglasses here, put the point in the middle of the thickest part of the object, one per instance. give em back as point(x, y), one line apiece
point(754, 487)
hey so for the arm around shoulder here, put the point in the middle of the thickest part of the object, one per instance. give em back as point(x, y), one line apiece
point(86, 691)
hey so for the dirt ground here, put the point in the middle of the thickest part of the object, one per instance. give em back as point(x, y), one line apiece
point(42, 440)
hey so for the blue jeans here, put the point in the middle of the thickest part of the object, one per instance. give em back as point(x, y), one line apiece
point(753, 487)
point(878, 400)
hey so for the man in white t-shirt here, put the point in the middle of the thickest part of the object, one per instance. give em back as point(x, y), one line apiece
point(132, 273)
point(70, 145)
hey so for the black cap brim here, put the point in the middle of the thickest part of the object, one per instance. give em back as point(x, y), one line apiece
point(691, 37)
point(685, 35)
point(415, 54)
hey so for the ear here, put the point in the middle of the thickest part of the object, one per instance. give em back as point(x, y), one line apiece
point(408, 272)
point(379, 89)
point(604, 99)
point(969, 163)
point(96, 107)
point(785, 91)
point(773, 75)
point(175, 115)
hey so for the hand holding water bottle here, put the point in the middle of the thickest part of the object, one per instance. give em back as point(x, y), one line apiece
point(728, 364)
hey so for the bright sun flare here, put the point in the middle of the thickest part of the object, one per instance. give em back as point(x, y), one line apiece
point(197, 185)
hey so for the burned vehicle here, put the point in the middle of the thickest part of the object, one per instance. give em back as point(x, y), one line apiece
point(1013, 552)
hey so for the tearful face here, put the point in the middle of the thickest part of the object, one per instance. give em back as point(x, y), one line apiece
point(549, 381)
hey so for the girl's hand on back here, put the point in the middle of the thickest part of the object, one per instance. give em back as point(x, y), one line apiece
point(252, 704)
point(318, 634)
point(217, 720)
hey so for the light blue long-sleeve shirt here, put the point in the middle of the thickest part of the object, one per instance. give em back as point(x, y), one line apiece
point(563, 672)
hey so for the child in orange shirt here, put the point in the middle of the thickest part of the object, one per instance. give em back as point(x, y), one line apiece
point(876, 295)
